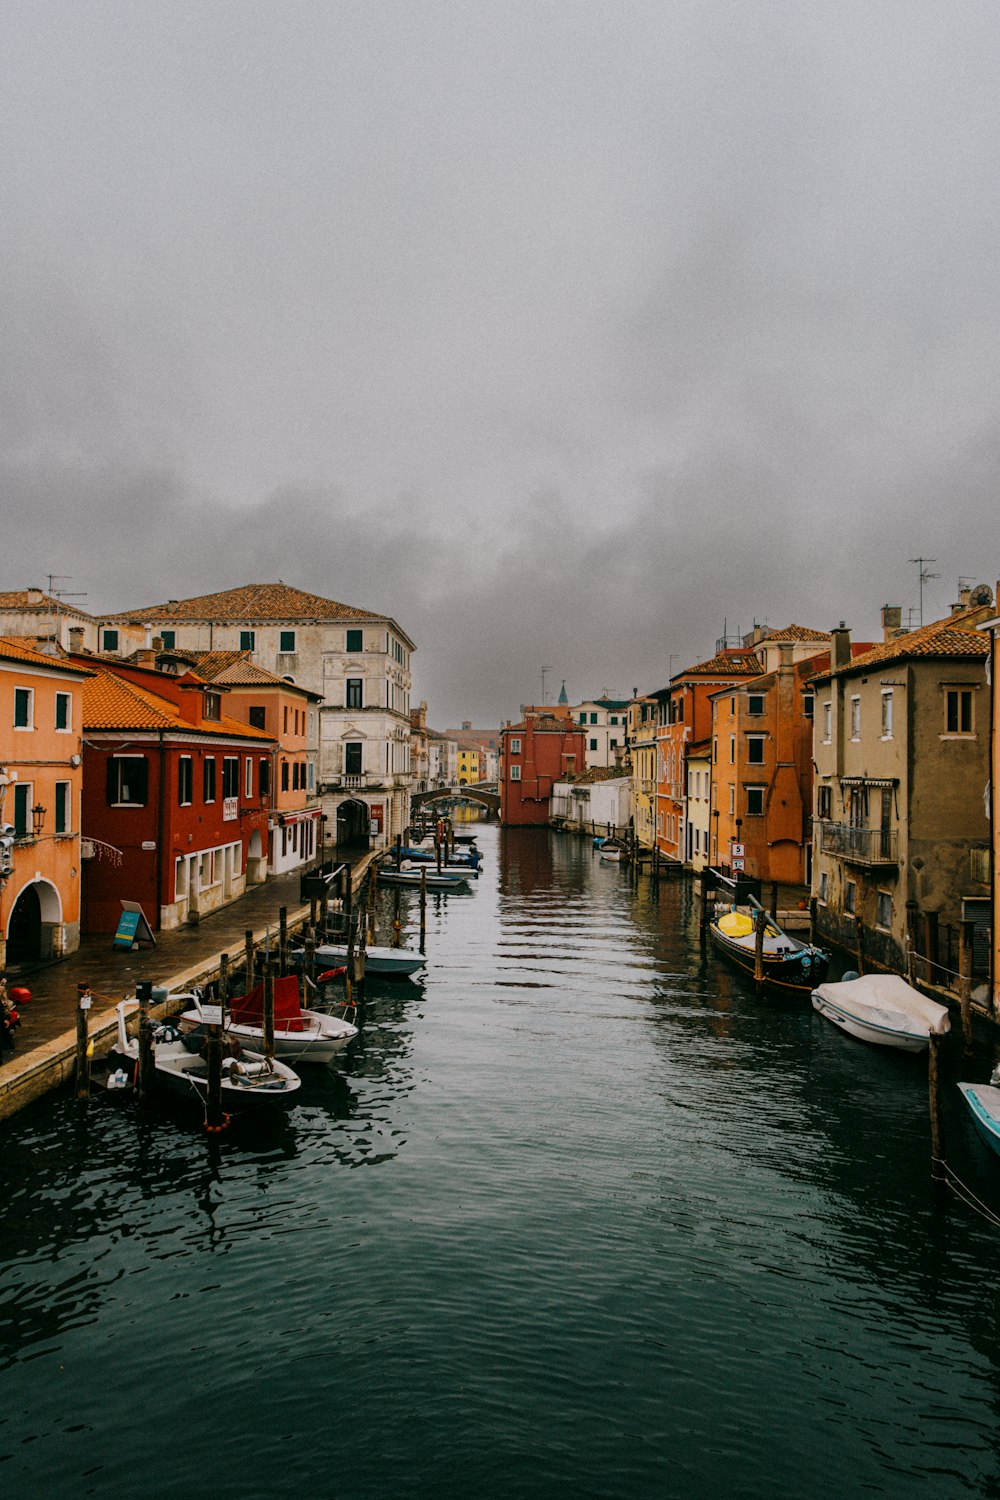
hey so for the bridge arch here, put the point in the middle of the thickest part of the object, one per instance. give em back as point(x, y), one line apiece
point(489, 800)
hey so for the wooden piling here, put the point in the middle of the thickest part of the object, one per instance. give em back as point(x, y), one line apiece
point(423, 909)
point(282, 940)
point(399, 852)
point(146, 1068)
point(813, 909)
point(938, 1169)
point(83, 1005)
point(268, 1018)
point(248, 951)
point(758, 948)
point(859, 928)
point(213, 1054)
point(967, 932)
point(774, 900)
point(706, 886)
point(397, 926)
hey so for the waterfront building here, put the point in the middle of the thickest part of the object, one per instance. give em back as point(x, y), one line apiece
point(43, 620)
point(356, 660)
point(640, 740)
point(534, 755)
point(902, 750)
point(698, 814)
point(176, 796)
point(990, 862)
point(762, 728)
point(290, 714)
point(41, 780)
point(684, 720)
point(604, 721)
point(484, 744)
point(598, 801)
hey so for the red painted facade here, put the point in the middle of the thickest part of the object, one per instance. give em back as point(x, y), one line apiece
point(175, 802)
point(534, 755)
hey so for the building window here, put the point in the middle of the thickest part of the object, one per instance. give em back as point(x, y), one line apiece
point(355, 640)
point(824, 801)
point(613, 744)
point(24, 707)
point(850, 897)
point(958, 711)
point(248, 640)
point(286, 642)
point(168, 639)
point(855, 718)
point(128, 781)
point(887, 715)
point(63, 807)
point(732, 749)
point(827, 723)
point(208, 779)
point(284, 776)
point(248, 778)
point(515, 747)
point(883, 910)
point(258, 717)
point(353, 692)
point(213, 706)
point(824, 886)
point(515, 773)
point(64, 711)
point(230, 776)
point(310, 777)
point(755, 704)
point(22, 809)
point(808, 705)
point(732, 800)
point(755, 749)
point(593, 744)
point(755, 801)
point(185, 780)
point(352, 758)
point(263, 777)
point(109, 640)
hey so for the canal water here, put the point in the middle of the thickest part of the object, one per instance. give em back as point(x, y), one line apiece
point(581, 1215)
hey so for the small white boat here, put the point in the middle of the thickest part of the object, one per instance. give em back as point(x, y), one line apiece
point(612, 849)
point(299, 1035)
point(388, 962)
point(884, 1009)
point(248, 1079)
point(434, 881)
point(983, 1100)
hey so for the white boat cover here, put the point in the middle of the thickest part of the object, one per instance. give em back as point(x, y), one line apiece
point(887, 1000)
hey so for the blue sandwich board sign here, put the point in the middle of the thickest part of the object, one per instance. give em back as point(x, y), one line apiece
point(133, 928)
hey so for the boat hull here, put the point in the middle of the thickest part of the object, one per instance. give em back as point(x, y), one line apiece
point(182, 1072)
point(867, 1031)
point(796, 973)
point(318, 1040)
point(389, 963)
point(983, 1100)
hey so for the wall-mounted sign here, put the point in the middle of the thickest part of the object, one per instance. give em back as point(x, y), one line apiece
point(149, 843)
point(739, 865)
point(738, 851)
point(376, 813)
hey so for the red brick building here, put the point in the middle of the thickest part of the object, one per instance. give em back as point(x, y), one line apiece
point(534, 755)
point(176, 797)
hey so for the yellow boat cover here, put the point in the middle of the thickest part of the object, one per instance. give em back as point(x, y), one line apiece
point(735, 924)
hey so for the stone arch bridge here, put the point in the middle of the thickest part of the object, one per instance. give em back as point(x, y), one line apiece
point(485, 797)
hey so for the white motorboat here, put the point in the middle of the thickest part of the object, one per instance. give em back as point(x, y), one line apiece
point(385, 962)
point(300, 1036)
point(884, 1009)
point(248, 1079)
point(459, 881)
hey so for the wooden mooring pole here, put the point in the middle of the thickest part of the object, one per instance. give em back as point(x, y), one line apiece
point(213, 1055)
point(282, 940)
point(758, 948)
point(938, 1169)
point(397, 926)
point(146, 1068)
point(965, 982)
point(83, 1005)
point(268, 1027)
point(248, 951)
point(423, 910)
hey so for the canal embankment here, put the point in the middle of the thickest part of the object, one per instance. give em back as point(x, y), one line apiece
point(45, 1049)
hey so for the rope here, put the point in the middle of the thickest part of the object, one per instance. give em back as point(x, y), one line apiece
point(965, 1194)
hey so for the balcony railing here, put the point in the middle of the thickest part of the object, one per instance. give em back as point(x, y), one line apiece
point(230, 809)
point(860, 846)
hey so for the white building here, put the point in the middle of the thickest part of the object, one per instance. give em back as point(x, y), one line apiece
point(605, 723)
point(357, 660)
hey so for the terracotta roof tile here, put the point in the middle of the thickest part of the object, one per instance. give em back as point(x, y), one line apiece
point(17, 601)
point(728, 664)
point(954, 636)
point(249, 602)
point(235, 669)
point(113, 702)
point(797, 633)
point(13, 648)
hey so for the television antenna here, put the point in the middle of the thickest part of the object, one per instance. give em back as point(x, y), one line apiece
point(545, 673)
point(924, 575)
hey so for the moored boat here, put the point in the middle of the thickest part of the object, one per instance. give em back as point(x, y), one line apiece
point(248, 1079)
point(434, 881)
point(788, 965)
point(983, 1100)
point(882, 1009)
point(387, 962)
point(299, 1035)
point(612, 849)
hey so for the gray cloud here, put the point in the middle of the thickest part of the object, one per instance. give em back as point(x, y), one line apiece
point(565, 333)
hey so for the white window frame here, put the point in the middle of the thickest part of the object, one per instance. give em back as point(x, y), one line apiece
point(827, 722)
point(856, 716)
point(248, 778)
point(515, 747)
point(67, 698)
point(515, 773)
point(883, 897)
point(756, 739)
point(887, 713)
point(67, 791)
point(29, 725)
point(763, 794)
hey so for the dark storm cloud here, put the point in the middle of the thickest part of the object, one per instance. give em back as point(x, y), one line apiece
point(568, 334)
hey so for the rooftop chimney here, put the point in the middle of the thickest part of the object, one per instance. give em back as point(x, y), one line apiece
point(35, 596)
point(840, 649)
point(892, 621)
point(76, 637)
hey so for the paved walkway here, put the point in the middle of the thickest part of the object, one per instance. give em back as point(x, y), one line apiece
point(46, 1042)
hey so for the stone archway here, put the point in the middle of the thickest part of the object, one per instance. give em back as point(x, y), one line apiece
point(353, 822)
point(34, 921)
point(256, 861)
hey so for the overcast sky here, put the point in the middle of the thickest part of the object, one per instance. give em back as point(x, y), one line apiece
point(568, 334)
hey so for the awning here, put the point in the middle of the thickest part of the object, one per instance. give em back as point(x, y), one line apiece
point(869, 781)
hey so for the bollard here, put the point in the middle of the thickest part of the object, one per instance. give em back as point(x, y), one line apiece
point(84, 1003)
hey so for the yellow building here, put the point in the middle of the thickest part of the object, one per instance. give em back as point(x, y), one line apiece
point(468, 767)
point(641, 742)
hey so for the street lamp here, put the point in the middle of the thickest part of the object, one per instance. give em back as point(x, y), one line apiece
point(37, 818)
